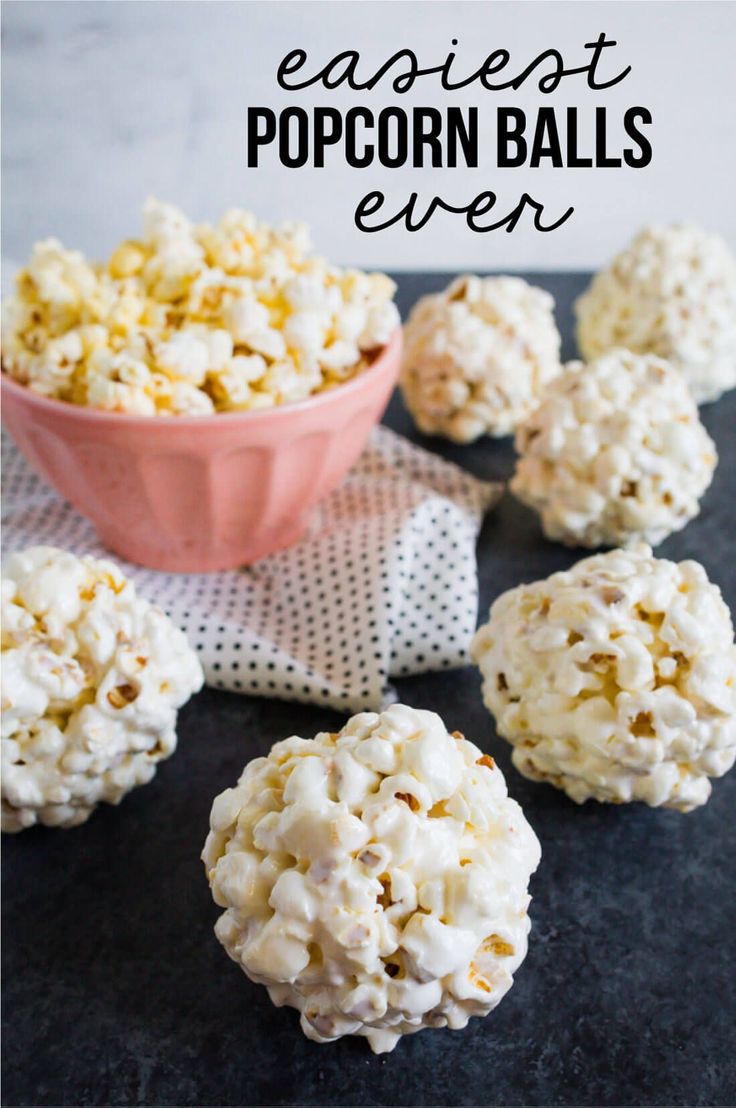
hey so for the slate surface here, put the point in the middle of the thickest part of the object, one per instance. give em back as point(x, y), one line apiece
point(116, 991)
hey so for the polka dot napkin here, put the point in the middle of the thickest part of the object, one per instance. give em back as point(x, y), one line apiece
point(383, 585)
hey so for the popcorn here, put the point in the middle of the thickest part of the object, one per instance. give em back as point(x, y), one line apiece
point(59, 282)
point(246, 317)
point(287, 385)
point(127, 260)
point(615, 680)
point(164, 226)
point(114, 396)
point(672, 292)
point(307, 331)
point(375, 879)
point(477, 356)
point(339, 355)
point(201, 306)
point(232, 387)
point(92, 677)
point(183, 356)
point(379, 326)
point(614, 453)
point(186, 399)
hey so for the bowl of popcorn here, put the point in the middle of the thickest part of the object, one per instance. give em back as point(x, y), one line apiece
point(198, 394)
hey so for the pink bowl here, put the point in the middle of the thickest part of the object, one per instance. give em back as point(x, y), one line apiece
point(193, 494)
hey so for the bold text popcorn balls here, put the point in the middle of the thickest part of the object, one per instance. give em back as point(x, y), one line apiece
point(92, 676)
point(477, 356)
point(375, 879)
point(672, 292)
point(614, 453)
point(193, 319)
point(615, 680)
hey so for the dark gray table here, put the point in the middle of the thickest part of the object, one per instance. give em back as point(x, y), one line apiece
point(116, 991)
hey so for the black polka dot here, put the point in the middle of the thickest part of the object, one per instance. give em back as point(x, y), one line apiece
point(384, 585)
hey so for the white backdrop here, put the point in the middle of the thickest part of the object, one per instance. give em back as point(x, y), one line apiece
point(104, 103)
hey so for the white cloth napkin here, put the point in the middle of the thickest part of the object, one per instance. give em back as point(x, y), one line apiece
point(383, 585)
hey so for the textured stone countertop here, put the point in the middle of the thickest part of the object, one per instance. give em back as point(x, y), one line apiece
point(116, 991)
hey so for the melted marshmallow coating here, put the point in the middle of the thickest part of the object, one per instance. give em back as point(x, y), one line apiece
point(477, 356)
point(615, 453)
point(615, 680)
point(192, 319)
point(375, 879)
point(672, 292)
point(92, 676)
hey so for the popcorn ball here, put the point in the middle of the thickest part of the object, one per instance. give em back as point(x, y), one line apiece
point(477, 356)
point(615, 680)
point(614, 453)
point(92, 676)
point(193, 319)
point(375, 879)
point(672, 292)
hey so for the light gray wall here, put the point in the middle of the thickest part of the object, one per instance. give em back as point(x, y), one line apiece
point(104, 103)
